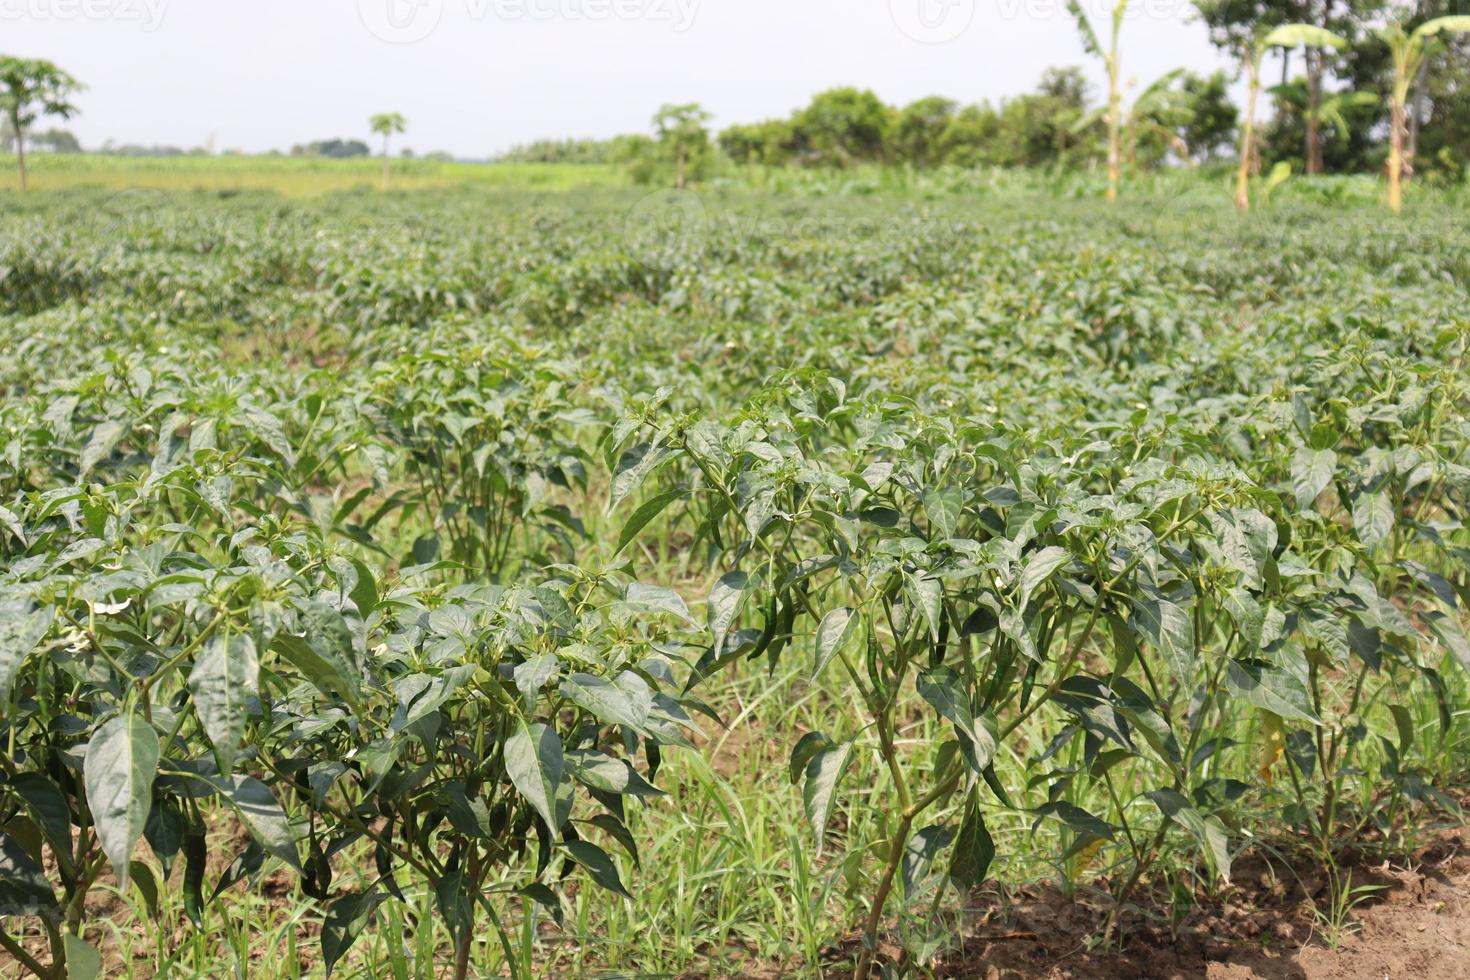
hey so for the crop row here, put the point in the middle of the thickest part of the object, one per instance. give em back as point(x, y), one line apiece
point(1170, 545)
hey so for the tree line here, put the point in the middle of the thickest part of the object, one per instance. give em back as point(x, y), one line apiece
point(1364, 86)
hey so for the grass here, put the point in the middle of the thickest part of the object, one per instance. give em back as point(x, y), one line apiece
point(291, 176)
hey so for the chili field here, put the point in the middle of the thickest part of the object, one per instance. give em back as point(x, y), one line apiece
point(495, 582)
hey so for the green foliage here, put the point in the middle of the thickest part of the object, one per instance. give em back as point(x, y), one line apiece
point(411, 538)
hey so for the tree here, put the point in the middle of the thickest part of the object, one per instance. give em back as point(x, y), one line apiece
point(1330, 112)
point(683, 137)
point(1410, 53)
point(334, 148)
point(843, 126)
point(1113, 62)
point(1342, 17)
point(1213, 117)
point(744, 143)
point(1315, 40)
point(1041, 129)
point(1252, 54)
point(58, 141)
point(386, 124)
point(919, 130)
point(30, 89)
point(770, 143)
point(1155, 120)
point(972, 136)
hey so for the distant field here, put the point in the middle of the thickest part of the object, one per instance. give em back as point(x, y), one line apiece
point(291, 175)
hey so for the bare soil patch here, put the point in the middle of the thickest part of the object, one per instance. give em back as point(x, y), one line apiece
point(1262, 927)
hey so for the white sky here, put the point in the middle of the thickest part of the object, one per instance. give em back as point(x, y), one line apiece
point(475, 77)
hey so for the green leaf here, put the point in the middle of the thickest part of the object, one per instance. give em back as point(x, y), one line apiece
point(726, 600)
point(643, 516)
point(634, 466)
point(1170, 630)
point(1077, 818)
point(347, 919)
point(324, 653)
point(1454, 24)
point(1084, 28)
point(1297, 35)
point(943, 507)
point(823, 772)
point(974, 850)
point(1311, 472)
point(119, 769)
point(536, 764)
point(11, 522)
point(608, 703)
point(1273, 690)
point(24, 888)
point(1209, 833)
point(21, 629)
point(364, 592)
point(103, 441)
point(940, 686)
point(658, 599)
point(806, 747)
point(837, 629)
point(146, 884)
point(1373, 518)
point(82, 961)
point(597, 864)
point(258, 810)
point(602, 772)
point(225, 679)
point(927, 596)
point(918, 856)
point(47, 805)
point(1447, 628)
point(1039, 567)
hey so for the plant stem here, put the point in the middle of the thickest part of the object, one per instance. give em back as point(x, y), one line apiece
point(25, 959)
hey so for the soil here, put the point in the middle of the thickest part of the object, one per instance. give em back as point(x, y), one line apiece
point(1416, 924)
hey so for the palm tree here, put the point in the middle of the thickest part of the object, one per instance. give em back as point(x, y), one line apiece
point(386, 124)
point(30, 89)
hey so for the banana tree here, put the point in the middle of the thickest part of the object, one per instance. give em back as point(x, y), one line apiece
point(1285, 36)
point(1329, 112)
point(1142, 117)
point(1410, 52)
point(1111, 60)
